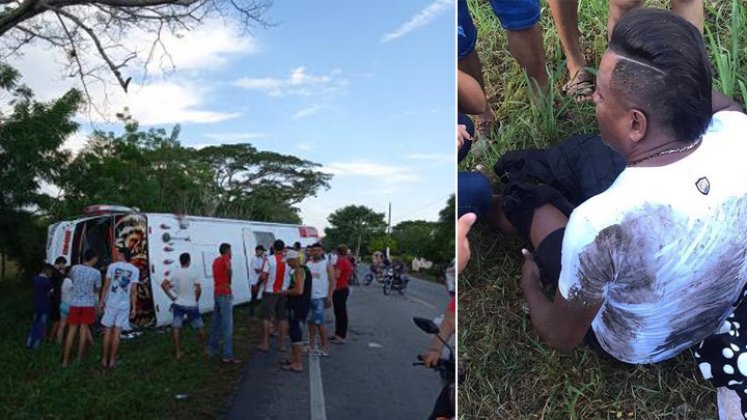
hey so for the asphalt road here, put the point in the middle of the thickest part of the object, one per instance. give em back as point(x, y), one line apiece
point(369, 377)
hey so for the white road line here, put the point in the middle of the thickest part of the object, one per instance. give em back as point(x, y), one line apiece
point(318, 411)
point(422, 302)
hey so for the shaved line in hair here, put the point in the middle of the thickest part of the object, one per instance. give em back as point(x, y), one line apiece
point(641, 63)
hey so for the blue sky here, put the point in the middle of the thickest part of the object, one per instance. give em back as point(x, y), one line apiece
point(367, 89)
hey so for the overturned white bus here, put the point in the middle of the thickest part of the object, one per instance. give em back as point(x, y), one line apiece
point(156, 240)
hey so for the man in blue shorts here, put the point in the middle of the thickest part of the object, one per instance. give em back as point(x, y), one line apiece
point(184, 290)
point(520, 19)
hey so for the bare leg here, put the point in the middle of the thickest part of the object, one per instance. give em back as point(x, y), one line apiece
point(265, 346)
point(323, 337)
point(565, 15)
point(617, 9)
point(55, 329)
point(471, 65)
point(528, 49)
point(61, 330)
point(115, 347)
point(69, 345)
point(296, 362)
point(312, 336)
point(282, 334)
point(89, 335)
point(546, 220)
point(107, 346)
point(496, 218)
point(177, 349)
point(82, 338)
point(201, 337)
point(691, 10)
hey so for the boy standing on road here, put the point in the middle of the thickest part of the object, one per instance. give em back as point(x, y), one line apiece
point(86, 284)
point(118, 302)
point(343, 271)
point(184, 290)
point(322, 286)
point(273, 308)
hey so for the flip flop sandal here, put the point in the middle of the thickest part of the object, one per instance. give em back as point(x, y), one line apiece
point(285, 361)
point(232, 361)
point(581, 87)
point(290, 368)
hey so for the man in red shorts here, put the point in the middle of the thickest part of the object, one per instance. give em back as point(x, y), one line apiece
point(86, 284)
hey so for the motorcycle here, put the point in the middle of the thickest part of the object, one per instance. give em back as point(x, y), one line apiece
point(394, 279)
point(445, 407)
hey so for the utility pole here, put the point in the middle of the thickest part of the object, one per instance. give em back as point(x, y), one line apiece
point(389, 232)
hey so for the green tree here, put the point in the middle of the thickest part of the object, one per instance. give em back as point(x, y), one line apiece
point(152, 171)
point(355, 226)
point(30, 139)
point(381, 242)
point(415, 237)
point(442, 247)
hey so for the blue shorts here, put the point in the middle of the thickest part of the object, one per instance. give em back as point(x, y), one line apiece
point(515, 15)
point(191, 312)
point(316, 311)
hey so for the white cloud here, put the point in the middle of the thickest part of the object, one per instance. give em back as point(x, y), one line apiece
point(306, 112)
point(423, 18)
point(166, 103)
point(157, 100)
point(298, 83)
point(433, 157)
point(76, 141)
point(305, 146)
point(234, 137)
point(383, 173)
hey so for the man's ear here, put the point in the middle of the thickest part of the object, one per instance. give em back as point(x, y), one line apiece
point(638, 125)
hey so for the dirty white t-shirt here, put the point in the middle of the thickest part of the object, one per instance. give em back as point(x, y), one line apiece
point(319, 278)
point(663, 249)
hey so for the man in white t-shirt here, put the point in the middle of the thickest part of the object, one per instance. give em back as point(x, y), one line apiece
point(184, 290)
point(654, 264)
point(272, 307)
point(259, 269)
point(118, 299)
point(322, 287)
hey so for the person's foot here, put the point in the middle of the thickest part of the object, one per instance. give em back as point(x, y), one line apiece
point(292, 368)
point(282, 349)
point(337, 340)
point(263, 349)
point(581, 87)
point(323, 352)
point(231, 361)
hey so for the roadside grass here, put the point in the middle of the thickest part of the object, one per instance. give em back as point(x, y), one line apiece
point(145, 385)
point(513, 375)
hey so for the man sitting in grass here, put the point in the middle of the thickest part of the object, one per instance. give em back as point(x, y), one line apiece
point(656, 263)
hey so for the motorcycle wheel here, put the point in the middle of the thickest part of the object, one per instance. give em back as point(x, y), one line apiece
point(387, 287)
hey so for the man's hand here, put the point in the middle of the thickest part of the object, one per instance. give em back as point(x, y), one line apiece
point(327, 302)
point(463, 252)
point(462, 135)
point(431, 357)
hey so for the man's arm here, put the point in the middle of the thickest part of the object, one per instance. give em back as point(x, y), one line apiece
point(721, 102)
point(559, 323)
point(104, 292)
point(332, 274)
point(229, 271)
point(433, 354)
point(198, 291)
point(166, 286)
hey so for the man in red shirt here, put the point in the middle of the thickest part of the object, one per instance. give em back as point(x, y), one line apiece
point(223, 309)
point(343, 271)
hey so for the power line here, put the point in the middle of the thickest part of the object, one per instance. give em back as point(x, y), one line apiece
point(441, 199)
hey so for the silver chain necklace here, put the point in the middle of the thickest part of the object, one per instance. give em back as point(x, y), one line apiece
point(668, 152)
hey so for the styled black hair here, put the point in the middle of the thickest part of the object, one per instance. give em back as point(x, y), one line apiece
point(90, 254)
point(317, 245)
point(184, 259)
point(278, 245)
point(60, 260)
point(126, 253)
point(297, 245)
point(224, 247)
point(665, 71)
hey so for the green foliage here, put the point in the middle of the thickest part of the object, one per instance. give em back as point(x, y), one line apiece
point(381, 242)
point(30, 139)
point(415, 237)
point(152, 171)
point(355, 226)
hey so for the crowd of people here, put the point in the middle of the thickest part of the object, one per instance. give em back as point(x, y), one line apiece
point(291, 288)
point(638, 233)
